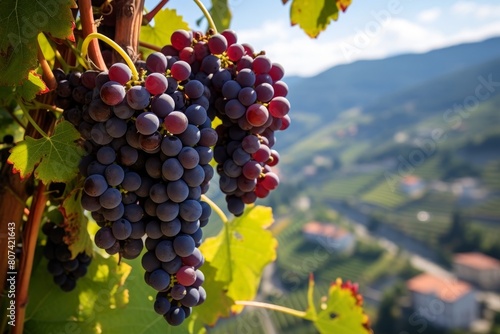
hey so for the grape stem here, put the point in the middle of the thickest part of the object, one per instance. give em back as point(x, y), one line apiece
point(216, 208)
point(207, 15)
point(282, 309)
point(115, 46)
point(39, 105)
point(31, 120)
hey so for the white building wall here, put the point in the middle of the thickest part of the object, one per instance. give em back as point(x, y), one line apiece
point(458, 314)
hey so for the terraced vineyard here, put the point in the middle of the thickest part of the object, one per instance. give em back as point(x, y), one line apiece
point(490, 209)
point(438, 207)
point(344, 188)
point(491, 175)
point(383, 196)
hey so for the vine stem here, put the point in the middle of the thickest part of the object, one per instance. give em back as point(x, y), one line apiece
point(115, 46)
point(207, 15)
point(48, 75)
point(146, 18)
point(32, 121)
point(282, 309)
point(216, 208)
point(39, 105)
point(149, 46)
point(30, 236)
point(88, 27)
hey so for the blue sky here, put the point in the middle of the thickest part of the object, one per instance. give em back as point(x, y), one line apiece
point(369, 29)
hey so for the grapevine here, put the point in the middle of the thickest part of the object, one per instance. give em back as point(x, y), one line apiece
point(131, 142)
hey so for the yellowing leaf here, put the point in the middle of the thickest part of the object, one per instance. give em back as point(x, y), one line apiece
point(75, 224)
point(166, 22)
point(241, 251)
point(20, 23)
point(55, 158)
point(313, 16)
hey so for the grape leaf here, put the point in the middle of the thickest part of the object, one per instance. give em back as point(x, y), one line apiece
point(54, 158)
point(221, 14)
point(341, 312)
point(218, 303)
point(240, 252)
point(314, 16)
point(50, 310)
point(166, 22)
point(20, 23)
point(75, 224)
point(111, 298)
point(31, 87)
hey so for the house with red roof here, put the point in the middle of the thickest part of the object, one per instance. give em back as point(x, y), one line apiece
point(445, 302)
point(330, 236)
point(479, 269)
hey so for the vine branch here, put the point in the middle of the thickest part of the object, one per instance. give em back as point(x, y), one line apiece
point(146, 18)
point(48, 75)
point(149, 46)
point(30, 236)
point(89, 27)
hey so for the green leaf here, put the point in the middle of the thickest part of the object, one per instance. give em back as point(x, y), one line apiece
point(342, 312)
point(166, 22)
point(75, 224)
point(221, 14)
point(20, 23)
point(31, 87)
point(313, 16)
point(56, 158)
point(111, 298)
point(240, 252)
point(218, 304)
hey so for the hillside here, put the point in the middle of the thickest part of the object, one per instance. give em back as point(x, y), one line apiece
point(321, 99)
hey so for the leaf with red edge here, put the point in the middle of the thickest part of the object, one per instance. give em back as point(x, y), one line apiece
point(314, 16)
point(343, 4)
point(32, 87)
point(75, 224)
point(341, 311)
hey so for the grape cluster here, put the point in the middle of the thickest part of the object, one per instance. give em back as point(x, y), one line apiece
point(149, 142)
point(248, 95)
point(66, 271)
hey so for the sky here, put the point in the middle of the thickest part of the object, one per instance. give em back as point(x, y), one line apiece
point(369, 29)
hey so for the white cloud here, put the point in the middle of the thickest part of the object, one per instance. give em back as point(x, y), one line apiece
point(473, 9)
point(429, 15)
point(303, 56)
